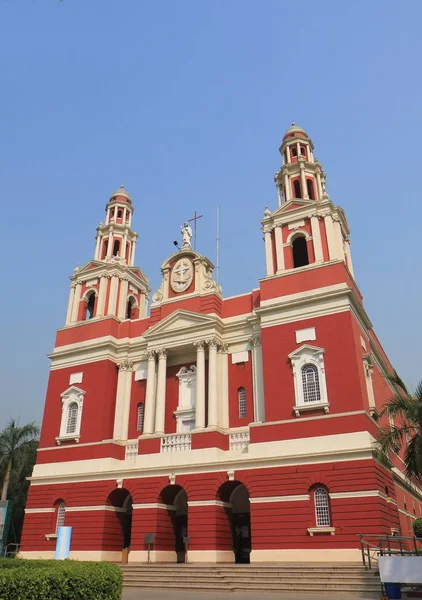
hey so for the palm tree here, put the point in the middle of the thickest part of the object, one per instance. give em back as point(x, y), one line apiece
point(13, 442)
point(405, 429)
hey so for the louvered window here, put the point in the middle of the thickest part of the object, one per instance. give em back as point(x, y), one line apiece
point(140, 422)
point(241, 396)
point(310, 384)
point(61, 509)
point(72, 417)
point(322, 508)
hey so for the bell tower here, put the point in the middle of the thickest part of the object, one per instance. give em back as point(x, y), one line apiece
point(110, 285)
point(306, 229)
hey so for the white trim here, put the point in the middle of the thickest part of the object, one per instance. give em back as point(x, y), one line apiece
point(322, 529)
point(36, 511)
point(73, 395)
point(51, 536)
point(358, 494)
point(299, 555)
point(154, 505)
point(407, 513)
point(301, 358)
point(267, 499)
point(95, 508)
point(210, 503)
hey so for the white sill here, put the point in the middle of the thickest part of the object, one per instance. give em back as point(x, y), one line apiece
point(311, 406)
point(51, 536)
point(74, 437)
point(316, 530)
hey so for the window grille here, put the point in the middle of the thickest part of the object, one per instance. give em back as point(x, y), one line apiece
point(241, 396)
point(140, 423)
point(310, 384)
point(72, 417)
point(322, 508)
point(61, 509)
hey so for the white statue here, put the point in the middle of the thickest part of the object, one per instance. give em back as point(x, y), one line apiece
point(186, 232)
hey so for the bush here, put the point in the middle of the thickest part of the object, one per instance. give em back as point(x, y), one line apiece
point(59, 580)
point(417, 527)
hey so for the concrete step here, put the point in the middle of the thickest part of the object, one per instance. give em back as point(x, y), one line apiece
point(254, 578)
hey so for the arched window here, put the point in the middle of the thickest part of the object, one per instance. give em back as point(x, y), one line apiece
point(72, 417)
point(105, 248)
point(310, 186)
point(116, 247)
point(90, 306)
point(119, 213)
point(302, 151)
point(140, 421)
point(293, 151)
point(300, 252)
point(296, 185)
point(241, 398)
point(322, 508)
point(61, 509)
point(310, 384)
point(129, 307)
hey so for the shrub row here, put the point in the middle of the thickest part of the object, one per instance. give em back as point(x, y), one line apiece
point(59, 580)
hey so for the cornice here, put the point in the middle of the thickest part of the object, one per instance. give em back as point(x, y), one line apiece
point(103, 269)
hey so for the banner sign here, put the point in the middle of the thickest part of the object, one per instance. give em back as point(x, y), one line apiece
point(64, 535)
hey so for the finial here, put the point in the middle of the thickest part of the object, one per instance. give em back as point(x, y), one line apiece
point(293, 124)
point(267, 212)
point(122, 186)
point(76, 268)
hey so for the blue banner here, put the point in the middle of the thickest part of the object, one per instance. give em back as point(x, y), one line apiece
point(64, 535)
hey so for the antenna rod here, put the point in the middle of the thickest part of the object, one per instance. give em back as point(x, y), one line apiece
point(218, 245)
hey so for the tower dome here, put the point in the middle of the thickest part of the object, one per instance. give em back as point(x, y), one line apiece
point(294, 131)
point(121, 194)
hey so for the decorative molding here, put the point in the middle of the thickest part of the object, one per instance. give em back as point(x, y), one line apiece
point(172, 479)
point(230, 475)
point(125, 365)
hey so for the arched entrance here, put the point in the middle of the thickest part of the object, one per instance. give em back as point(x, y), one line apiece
point(235, 495)
point(176, 500)
point(118, 523)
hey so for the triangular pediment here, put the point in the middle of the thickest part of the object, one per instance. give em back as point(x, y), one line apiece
point(72, 390)
point(306, 349)
point(179, 321)
point(294, 204)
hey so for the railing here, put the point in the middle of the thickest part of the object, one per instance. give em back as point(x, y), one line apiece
point(131, 451)
point(176, 442)
point(239, 440)
point(372, 546)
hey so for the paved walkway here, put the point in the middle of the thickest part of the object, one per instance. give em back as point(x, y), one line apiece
point(129, 594)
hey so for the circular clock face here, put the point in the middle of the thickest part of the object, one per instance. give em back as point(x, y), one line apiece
point(181, 275)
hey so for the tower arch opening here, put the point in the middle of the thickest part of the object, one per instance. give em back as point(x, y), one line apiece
point(310, 187)
point(300, 252)
point(90, 306)
point(118, 524)
point(297, 190)
point(116, 247)
point(176, 517)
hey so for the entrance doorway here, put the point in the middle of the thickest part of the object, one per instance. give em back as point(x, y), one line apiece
point(236, 497)
point(175, 497)
point(118, 523)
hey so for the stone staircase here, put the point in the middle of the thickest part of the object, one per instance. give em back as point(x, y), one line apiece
point(316, 578)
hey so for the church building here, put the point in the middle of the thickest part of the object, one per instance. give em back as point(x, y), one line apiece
point(237, 429)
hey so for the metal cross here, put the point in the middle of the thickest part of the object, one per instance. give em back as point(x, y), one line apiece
point(194, 219)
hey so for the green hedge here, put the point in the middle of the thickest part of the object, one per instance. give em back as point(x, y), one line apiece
point(59, 580)
point(417, 527)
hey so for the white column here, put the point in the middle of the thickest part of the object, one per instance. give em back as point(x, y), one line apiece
point(166, 281)
point(348, 255)
point(316, 238)
point(223, 386)
point(339, 238)
point(161, 392)
point(124, 388)
point(101, 296)
point(279, 195)
point(122, 299)
point(319, 185)
point(97, 247)
point(212, 384)
point(368, 368)
point(123, 250)
point(279, 249)
point(257, 379)
point(132, 253)
point(288, 154)
point(288, 192)
point(269, 253)
point(330, 237)
point(298, 149)
point(70, 303)
point(200, 385)
point(76, 300)
point(150, 395)
point(112, 299)
point(303, 181)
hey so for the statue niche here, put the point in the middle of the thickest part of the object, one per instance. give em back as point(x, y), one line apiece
point(185, 412)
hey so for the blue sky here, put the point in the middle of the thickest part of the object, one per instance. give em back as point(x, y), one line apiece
point(186, 104)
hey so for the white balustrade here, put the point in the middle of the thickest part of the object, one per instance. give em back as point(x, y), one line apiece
point(131, 451)
point(176, 442)
point(239, 440)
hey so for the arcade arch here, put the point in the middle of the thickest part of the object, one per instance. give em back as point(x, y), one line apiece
point(235, 496)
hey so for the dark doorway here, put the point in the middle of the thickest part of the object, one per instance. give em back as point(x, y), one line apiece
point(118, 525)
point(90, 306)
point(300, 252)
point(177, 500)
point(310, 186)
point(296, 185)
point(236, 495)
